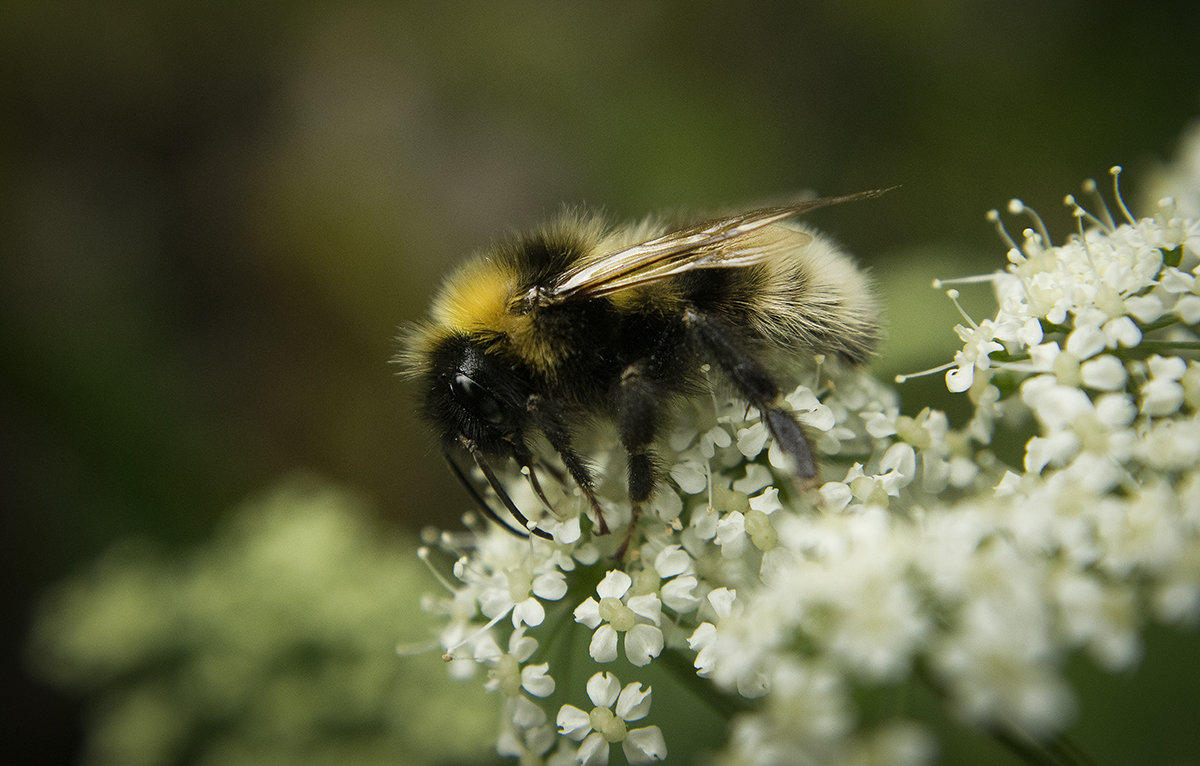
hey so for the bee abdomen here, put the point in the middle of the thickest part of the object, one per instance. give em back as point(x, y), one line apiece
point(817, 299)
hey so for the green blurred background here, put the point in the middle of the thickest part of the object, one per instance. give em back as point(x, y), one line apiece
point(214, 216)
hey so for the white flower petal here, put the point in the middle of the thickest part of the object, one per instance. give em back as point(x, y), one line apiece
point(1105, 373)
point(960, 378)
point(757, 477)
point(566, 532)
point(678, 594)
point(521, 646)
point(667, 504)
point(820, 417)
point(647, 606)
point(731, 530)
point(1166, 367)
point(767, 501)
point(633, 704)
point(614, 585)
point(1187, 309)
point(603, 646)
point(835, 495)
point(645, 745)
point(717, 436)
point(593, 751)
point(722, 601)
point(671, 561)
point(1116, 410)
point(642, 644)
point(535, 681)
point(603, 688)
point(1030, 333)
point(1123, 331)
point(750, 441)
point(525, 713)
point(529, 612)
point(1144, 308)
point(690, 476)
point(551, 586)
point(1042, 356)
point(880, 425)
point(1161, 397)
point(573, 722)
point(1086, 341)
point(901, 458)
point(704, 522)
point(588, 613)
point(704, 634)
point(803, 399)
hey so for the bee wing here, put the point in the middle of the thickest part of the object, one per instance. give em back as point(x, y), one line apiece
point(731, 242)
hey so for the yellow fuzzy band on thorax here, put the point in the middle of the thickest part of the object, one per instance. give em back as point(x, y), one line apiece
point(475, 298)
point(477, 301)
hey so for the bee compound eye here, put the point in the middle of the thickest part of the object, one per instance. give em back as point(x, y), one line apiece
point(476, 398)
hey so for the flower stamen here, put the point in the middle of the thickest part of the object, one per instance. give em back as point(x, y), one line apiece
point(993, 215)
point(1092, 188)
point(1017, 207)
point(1115, 170)
point(905, 377)
point(953, 295)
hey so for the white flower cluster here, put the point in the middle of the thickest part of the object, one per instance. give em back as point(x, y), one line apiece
point(923, 557)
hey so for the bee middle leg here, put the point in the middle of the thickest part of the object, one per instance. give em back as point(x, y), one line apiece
point(731, 352)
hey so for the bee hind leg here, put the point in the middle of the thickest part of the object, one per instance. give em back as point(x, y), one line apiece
point(638, 416)
point(731, 352)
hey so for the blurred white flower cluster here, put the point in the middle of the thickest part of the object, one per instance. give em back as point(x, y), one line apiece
point(272, 643)
point(923, 557)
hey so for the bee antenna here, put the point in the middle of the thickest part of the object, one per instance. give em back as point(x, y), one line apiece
point(474, 493)
point(494, 482)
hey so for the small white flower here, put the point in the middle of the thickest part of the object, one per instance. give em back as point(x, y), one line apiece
point(505, 580)
point(509, 676)
point(607, 723)
point(637, 617)
point(978, 343)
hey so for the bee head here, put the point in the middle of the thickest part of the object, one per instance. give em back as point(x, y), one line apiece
point(474, 395)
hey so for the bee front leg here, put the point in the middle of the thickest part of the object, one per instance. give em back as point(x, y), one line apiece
point(549, 420)
point(731, 352)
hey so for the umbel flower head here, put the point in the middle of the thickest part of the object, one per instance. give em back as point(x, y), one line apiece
point(924, 559)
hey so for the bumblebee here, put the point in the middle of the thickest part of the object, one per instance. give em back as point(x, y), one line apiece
point(576, 320)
